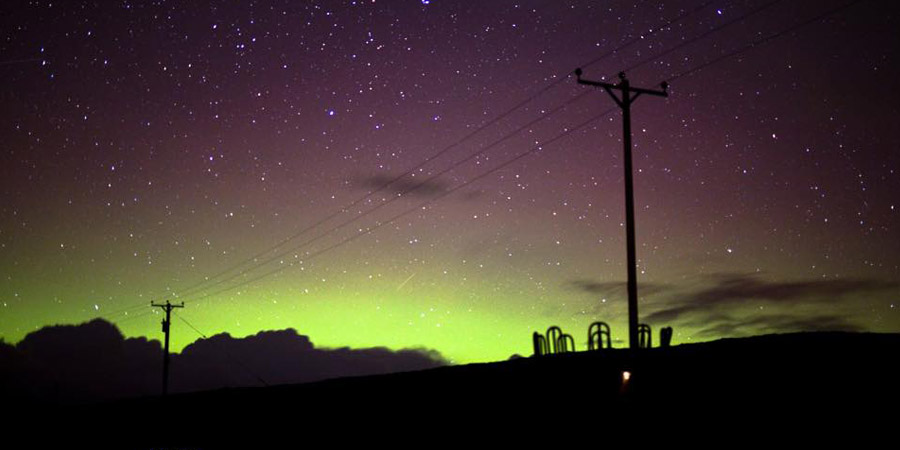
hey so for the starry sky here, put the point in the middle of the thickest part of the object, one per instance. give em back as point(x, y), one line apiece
point(429, 173)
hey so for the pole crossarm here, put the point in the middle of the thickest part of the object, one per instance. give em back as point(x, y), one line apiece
point(167, 306)
point(624, 86)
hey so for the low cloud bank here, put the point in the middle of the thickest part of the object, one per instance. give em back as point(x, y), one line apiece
point(719, 308)
point(93, 361)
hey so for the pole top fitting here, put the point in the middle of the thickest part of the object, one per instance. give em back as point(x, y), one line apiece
point(578, 72)
point(665, 86)
point(622, 76)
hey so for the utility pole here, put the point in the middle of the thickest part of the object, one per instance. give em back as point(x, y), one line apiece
point(165, 327)
point(629, 94)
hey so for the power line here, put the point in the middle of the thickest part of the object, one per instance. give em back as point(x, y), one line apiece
point(202, 285)
point(136, 316)
point(227, 352)
point(767, 39)
point(258, 264)
point(649, 33)
point(19, 61)
point(411, 210)
point(381, 187)
point(397, 197)
point(124, 309)
point(369, 230)
point(706, 34)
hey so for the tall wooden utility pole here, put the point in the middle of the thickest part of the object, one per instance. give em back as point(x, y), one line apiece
point(629, 94)
point(165, 327)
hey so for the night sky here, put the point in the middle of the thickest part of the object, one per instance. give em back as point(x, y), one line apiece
point(149, 147)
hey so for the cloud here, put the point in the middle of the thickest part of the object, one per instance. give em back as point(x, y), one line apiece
point(283, 356)
point(723, 325)
point(715, 307)
point(615, 288)
point(90, 361)
point(406, 185)
point(614, 291)
point(731, 290)
point(93, 362)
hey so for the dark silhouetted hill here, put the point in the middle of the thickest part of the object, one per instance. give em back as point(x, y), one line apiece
point(93, 362)
point(805, 386)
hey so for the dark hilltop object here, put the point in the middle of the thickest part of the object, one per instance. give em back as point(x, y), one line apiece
point(665, 337)
point(599, 336)
point(748, 383)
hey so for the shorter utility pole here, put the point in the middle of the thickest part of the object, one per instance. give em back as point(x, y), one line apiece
point(624, 100)
point(165, 327)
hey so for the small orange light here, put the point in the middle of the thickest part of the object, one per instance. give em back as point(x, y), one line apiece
point(626, 375)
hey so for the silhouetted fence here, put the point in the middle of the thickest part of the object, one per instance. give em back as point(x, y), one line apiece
point(596, 334)
point(540, 344)
point(665, 337)
point(554, 342)
point(645, 336)
point(553, 334)
point(565, 343)
point(599, 338)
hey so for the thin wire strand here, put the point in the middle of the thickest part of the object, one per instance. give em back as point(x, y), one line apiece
point(705, 65)
point(259, 265)
point(649, 33)
point(767, 39)
point(129, 318)
point(411, 210)
point(205, 284)
point(227, 352)
point(399, 196)
point(706, 34)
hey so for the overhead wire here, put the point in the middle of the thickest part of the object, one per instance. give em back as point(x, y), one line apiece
point(260, 264)
point(129, 318)
point(767, 39)
point(369, 230)
point(124, 309)
point(228, 353)
point(559, 79)
point(641, 37)
point(415, 208)
point(704, 35)
point(406, 191)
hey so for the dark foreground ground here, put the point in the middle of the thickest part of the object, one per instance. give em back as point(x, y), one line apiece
point(817, 383)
